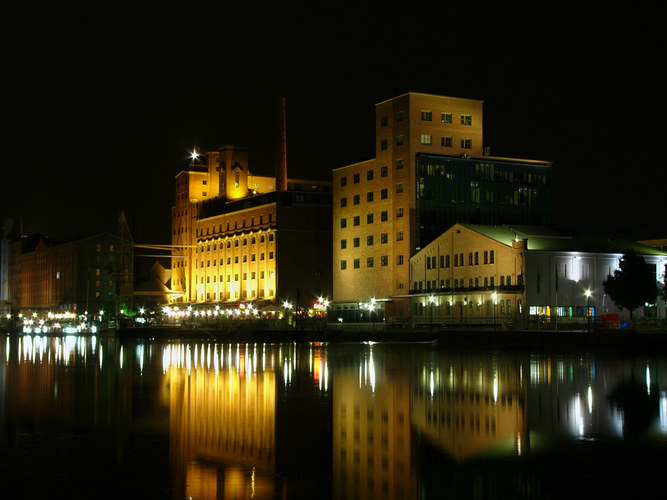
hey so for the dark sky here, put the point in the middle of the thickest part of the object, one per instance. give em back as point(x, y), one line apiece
point(101, 105)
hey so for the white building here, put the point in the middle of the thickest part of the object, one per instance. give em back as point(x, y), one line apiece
point(519, 276)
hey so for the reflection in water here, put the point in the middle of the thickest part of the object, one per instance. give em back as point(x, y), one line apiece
point(208, 420)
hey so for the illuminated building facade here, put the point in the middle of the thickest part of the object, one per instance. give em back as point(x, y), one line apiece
point(478, 274)
point(239, 237)
point(430, 171)
point(88, 274)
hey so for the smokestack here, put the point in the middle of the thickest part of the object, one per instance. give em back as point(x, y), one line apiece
point(281, 146)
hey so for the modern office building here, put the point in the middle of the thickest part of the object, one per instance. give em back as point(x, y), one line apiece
point(518, 276)
point(88, 274)
point(430, 171)
point(239, 237)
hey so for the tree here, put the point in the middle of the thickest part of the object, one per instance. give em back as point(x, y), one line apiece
point(633, 285)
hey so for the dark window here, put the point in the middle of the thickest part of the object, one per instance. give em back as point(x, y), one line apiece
point(369, 196)
point(369, 218)
point(343, 202)
point(384, 215)
point(384, 171)
point(369, 175)
point(383, 194)
point(355, 178)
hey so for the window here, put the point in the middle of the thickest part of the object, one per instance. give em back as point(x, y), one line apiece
point(466, 120)
point(356, 264)
point(491, 255)
point(343, 264)
point(369, 262)
point(383, 145)
point(493, 279)
point(369, 218)
point(384, 238)
point(399, 116)
point(343, 223)
point(355, 221)
point(369, 175)
point(369, 196)
point(384, 171)
point(384, 261)
point(369, 240)
point(446, 142)
point(384, 216)
point(343, 181)
point(383, 194)
point(384, 121)
point(476, 258)
point(399, 164)
point(466, 143)
point(470, 260)
point(486, 257)
point(446, 117)
point(399, 140)
point(399, 235)
point(343, 244)
point(399, 187)
point(426, 116)
point(355, 178)
point(355, 242)
point(399, 260)
point(343, 202)
point(456, 260)
point(426, 139)
point(356, 199)
point(399, 211)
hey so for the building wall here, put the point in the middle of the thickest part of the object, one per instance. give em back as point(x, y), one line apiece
point(457, 275)
point(400, 124)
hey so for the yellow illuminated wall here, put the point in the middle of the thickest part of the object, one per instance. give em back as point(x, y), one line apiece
point(371, 434)
point(471, 406)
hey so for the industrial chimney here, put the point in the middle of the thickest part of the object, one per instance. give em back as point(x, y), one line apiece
point(281, 146)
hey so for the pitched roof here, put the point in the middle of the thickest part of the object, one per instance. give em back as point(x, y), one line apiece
point(546, 239)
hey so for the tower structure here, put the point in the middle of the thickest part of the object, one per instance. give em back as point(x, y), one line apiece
point(429, 172)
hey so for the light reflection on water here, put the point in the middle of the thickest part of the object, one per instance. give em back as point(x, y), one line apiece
point(176, 419)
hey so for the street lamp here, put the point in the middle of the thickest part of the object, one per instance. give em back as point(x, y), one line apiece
point(588, 308)
point(495, 301)
point(431, 300)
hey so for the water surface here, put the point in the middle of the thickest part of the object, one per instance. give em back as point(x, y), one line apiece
point(99, 417)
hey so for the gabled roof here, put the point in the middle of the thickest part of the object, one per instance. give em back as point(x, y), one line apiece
point(546, 239)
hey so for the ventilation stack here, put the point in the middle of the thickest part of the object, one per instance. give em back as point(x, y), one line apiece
point(281, 146)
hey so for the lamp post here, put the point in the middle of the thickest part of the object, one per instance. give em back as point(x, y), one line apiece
point(431, 300)
point(588, 308)
point(495, 301)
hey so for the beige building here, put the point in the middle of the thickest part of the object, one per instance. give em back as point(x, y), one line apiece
point(374, 205)
point(241, 237)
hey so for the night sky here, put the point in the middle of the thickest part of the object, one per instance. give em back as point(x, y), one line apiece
point(101, 104)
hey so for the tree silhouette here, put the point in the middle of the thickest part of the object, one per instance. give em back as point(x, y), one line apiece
point(633, 284)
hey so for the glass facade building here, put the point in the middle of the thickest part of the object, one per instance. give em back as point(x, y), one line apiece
point(479, 190)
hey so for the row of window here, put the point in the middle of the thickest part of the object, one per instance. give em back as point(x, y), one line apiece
point(370, 262)
point(427, 116)
point(246, 294)
point(370, 174)
point(461, 283)
point(211, 230)
point(370, 218)
point(253, 275)
point(473, 259)
point(244, 242)
point(236, 260)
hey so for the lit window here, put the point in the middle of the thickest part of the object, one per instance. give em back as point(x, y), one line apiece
point(426, 139)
